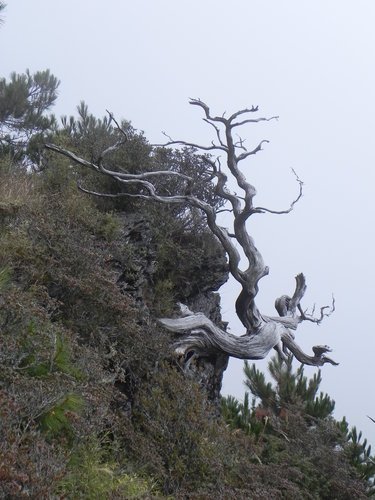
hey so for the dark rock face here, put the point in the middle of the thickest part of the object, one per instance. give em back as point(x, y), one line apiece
point(138, 236)
point(208, 303)
point(205, 276)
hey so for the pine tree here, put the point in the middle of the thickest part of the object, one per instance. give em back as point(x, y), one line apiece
point(291, 391)
point(293, 394)
point(24, 101)
point(359, 454)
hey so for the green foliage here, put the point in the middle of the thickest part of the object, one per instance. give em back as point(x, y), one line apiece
point(297, 429)
point(292, 390)
point(14, 189)
point(37, 346)
point(188, 162)
point(94, 472)
point(61, 359)
point(127, 150)
point(24, 100)
point(55, 420)
point(359, 454)
point(4, 278)
point(108, 227)
point(256, 382)
point(191, 260)
point(178, 430)
point(29, 465)
point(164, 301)
point(89, 137)
point(241, 415)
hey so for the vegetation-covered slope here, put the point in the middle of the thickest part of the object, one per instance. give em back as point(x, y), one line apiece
point(92, 402)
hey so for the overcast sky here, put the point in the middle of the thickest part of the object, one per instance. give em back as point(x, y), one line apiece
point(311, 63)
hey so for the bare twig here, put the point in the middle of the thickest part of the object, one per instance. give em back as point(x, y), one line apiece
point(253, 120)
point(213, 146)
point(118, 126)
point(217, 130)
point(245, 155)
point(310, 317)
point(288, 210)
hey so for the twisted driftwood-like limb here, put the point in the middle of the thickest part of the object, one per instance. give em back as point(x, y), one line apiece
point(200, 335)
point(204, 338)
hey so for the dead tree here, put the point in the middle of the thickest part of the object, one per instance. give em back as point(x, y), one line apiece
point(198, 334)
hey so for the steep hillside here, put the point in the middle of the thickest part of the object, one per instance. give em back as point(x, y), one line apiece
point(94, 402)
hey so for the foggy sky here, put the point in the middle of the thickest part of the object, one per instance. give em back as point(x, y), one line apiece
point(311, 63)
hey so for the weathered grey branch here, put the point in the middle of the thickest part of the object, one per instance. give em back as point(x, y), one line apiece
point(199, 334)
point(245, 155)
point(253, 109)
point(256, 120)
point(288, 210)
point(204, 338)
point(118, 144)
point(120, 176)
point(118, 126)
point(217, 130)
point(323, 313)
point(213, 147)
